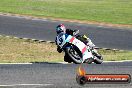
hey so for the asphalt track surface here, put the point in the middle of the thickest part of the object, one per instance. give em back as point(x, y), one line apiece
point(43, 29)
point(55, 75)
point(51, 75)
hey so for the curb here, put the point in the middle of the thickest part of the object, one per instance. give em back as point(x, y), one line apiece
point(40, 41)
point(35, 40)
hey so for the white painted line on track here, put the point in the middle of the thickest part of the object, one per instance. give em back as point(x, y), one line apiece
point(118, 61)
point(103, 62)
point(64, 62)
point(26, 38)
point(9, 85)
point(16, 63)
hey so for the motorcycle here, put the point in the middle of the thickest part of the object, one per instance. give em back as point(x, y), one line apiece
point(75, 50)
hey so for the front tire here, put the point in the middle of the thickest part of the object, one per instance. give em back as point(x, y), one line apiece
point(98, 59)
point(75, 54)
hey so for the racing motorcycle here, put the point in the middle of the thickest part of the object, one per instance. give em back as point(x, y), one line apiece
point(75, 50)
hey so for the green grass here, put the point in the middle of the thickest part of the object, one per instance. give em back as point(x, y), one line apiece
point(109, 11)
point(111, 55)
point(22, 51)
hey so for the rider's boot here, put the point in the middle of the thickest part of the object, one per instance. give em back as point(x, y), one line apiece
point(89, 60)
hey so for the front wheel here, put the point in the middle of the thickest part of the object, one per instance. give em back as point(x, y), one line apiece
point(75, 54)
point(98, 59)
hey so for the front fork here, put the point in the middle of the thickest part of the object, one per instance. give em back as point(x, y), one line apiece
point(94, 52)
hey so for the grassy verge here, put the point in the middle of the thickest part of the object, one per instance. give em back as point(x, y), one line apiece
point(109, 11)
point(18, 50)
point(21, 51)
point(111, 55)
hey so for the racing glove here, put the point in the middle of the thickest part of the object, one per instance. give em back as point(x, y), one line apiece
point(59, 49)
point(75, 32)
point(72, 32)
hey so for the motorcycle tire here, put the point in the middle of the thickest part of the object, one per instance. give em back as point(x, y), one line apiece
point(75, 54)
point(99, 59)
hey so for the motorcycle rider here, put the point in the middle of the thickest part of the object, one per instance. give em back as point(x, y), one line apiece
point(62, 29)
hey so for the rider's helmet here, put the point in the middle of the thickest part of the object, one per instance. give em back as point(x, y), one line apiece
point(60, 28)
